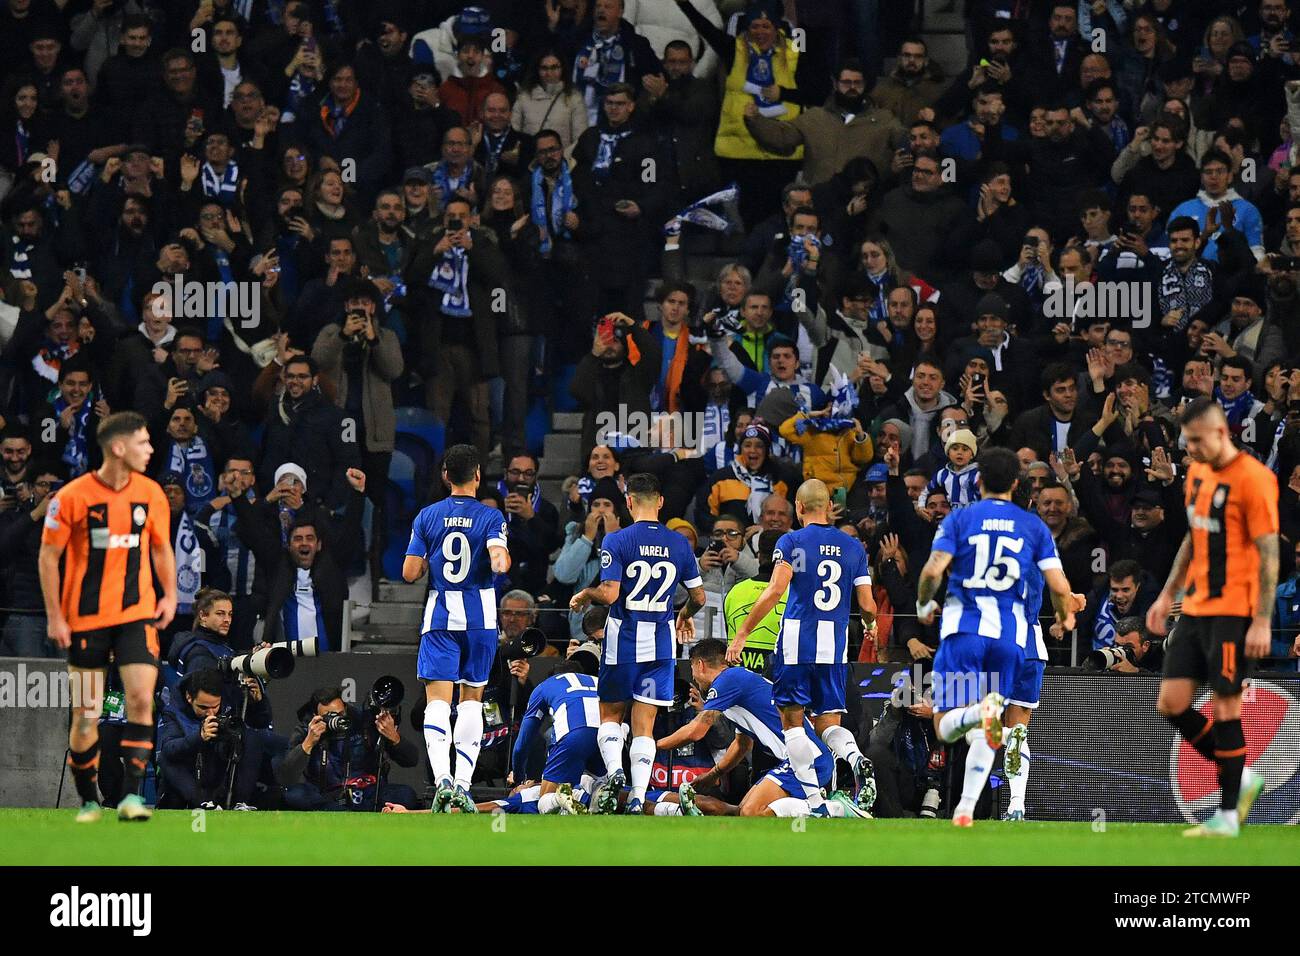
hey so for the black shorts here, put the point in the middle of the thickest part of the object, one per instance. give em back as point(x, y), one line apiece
point(135, 642)
point(1210, 650)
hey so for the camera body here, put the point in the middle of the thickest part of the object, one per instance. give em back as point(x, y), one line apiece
point(337, 724)
point(229, 726)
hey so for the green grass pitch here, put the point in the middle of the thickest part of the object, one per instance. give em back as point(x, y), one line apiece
point(50, 837)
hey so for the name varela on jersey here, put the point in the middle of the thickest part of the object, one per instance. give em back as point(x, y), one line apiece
point(454, 536)
point(648, 561)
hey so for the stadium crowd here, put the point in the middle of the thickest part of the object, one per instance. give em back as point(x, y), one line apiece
point(282, 231)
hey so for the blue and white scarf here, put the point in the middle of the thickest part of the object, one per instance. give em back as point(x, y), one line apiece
point(1103, 631)
point(715, 429)
point(22, 142)
point(758, 74)
point(194, 464)
point(76, 451)
point(604, 160)
point(240, 561)
point(562, 202)
point(189, 565)
point(599, 65)
point(760, 486)
point(20, 265)
point(699, 212)
point(450, 185)
point(302, 615)
point(493, 145)
point(81, 178)
point(451, 278)
point(1236, 409)
point(300, 90)
point(223, 188)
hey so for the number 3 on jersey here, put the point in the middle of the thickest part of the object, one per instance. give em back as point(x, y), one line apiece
point(645, 574)
point(1004, 571)
point(827, 597)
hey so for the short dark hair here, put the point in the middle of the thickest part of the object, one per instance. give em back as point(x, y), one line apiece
point(205, 680)
point(853, 65)
point(306, 360)
point(460, 463)
point(119, 425)
point(1132, 625)
point(1056, 372)
point(1184, 224)
point(1093, 199)
point(711, 650)
point(1096, 86)
point(323, 695)
point(679, 45)
point(643, 485)
point(1236, 361)
point(999, 470)
point(932, 362)
point(1216, 156)
point(1125, 568)
point(1133, 371)
point(549, 133)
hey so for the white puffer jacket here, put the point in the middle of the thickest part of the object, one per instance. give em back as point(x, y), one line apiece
point(660, 22)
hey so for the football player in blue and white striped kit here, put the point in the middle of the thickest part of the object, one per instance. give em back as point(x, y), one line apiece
point(992, 548)
point(569, 697)
point(462, 544)
point(640, 568)
point(1024, 696)
point(745, 699)
point(824, 570)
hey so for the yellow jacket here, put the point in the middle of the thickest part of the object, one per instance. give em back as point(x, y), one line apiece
point(834, 458)
point(734, 140)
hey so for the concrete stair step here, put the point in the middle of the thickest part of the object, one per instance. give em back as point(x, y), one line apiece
point(402, 636)
point(566, 422)
point(400, 591)
point(393, 613)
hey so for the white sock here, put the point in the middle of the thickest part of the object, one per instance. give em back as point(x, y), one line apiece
point(835, 810)
point(549, 803)
point(642, 757)
point(665, 809)
point(803, 754)
point(843, 746)
point(979, 762)
point(1229, 815)
point(1019, 782)
point(609, 737)
point(586, 783)
point(954, 723)
point(437, 732)
point(467, 739)
point(789, 807)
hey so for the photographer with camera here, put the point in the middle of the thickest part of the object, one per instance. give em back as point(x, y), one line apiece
point(1128, 591)
point(248, 738)
point(206, 757)
point(1134, 652)
point(337, 756)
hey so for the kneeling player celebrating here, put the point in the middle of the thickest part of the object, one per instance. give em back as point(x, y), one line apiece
point(1229, 562)
point(992, 547)
point(745, 698)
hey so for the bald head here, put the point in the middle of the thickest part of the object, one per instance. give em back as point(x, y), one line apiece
point(812, 499)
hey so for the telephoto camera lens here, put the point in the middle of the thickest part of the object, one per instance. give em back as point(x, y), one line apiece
point(1108, 657)
point(930, 804)
point(269, 663)
point(336, 723)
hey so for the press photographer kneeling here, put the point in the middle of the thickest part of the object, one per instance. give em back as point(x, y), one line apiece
point(338, 757)
point(215, 740)
point(1133, 651)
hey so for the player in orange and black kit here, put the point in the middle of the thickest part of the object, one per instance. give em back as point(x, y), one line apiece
point(111, 529)
point(1227, 571)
